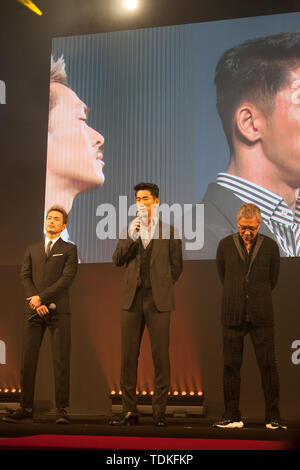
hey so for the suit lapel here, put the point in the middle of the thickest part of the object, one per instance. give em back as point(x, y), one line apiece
point(236, 240)
point(258, 244)
point(42, 250)
point(56, 246)
point(156, 245)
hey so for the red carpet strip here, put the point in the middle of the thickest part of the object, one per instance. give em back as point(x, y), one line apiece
point(69, 442)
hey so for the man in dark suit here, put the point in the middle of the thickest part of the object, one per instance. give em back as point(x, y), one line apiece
point(153, 260)
point(248, 266)
point(48, 269)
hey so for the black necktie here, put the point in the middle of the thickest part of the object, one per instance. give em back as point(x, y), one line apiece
point(48, 249)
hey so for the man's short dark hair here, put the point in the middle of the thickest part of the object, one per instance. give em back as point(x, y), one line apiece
point(255, 70)
point(61, 210)
point(152, 187)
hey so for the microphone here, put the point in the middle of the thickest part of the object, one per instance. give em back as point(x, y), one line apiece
point(52, 307)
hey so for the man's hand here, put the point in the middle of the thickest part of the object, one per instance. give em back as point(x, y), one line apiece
point(135, 225)
point(42, 310)
point(34, 301)
point(134, 229)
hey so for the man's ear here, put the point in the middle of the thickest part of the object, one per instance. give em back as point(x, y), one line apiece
point(249, 122)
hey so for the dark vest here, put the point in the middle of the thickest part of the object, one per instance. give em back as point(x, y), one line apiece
point(145, 257)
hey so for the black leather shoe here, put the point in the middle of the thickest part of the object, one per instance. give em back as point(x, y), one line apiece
point(160, 421)
point(62, 416)
point(129, 419)
point(20, 415)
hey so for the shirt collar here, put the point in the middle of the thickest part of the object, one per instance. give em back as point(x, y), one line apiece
point(53, 240)
point(272, 205)
point(148, 232)
point(154, 221)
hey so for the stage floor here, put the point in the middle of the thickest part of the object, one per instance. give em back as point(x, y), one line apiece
point(86, 432)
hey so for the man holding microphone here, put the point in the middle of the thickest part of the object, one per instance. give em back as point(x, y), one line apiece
point(153, 261)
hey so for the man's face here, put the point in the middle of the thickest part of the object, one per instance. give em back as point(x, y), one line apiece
point(248, 228)
point(54, 224)
point(281, 136)
point(144, 201)
point(74, 153)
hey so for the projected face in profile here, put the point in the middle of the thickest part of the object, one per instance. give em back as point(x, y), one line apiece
point(74, 155)
point(74, 148)
point(281, 134)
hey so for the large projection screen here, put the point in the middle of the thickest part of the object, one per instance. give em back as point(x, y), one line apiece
point(151, 97)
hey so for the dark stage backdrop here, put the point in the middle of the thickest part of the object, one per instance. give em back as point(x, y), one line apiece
point(196, 352)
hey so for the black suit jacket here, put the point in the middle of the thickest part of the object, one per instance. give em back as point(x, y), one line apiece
point(250, 289)
point(165, 268)
point(220, 210)
point(49, 277)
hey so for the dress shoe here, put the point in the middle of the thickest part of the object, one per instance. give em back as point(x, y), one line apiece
point(20, 415)
point(129, 419)
point(62, 416)
point(160, 420)
point(275, 424)
point(228, 424)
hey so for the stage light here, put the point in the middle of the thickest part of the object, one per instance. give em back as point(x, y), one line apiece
point(130, 4)
point(9, 397)
point(178, 404)
point(29, 4)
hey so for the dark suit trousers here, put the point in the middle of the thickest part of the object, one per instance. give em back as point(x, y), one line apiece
point(34, 329)
point(263, 342)
point(144, 313)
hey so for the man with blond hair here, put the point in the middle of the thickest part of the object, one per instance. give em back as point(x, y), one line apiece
point(248, 266)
